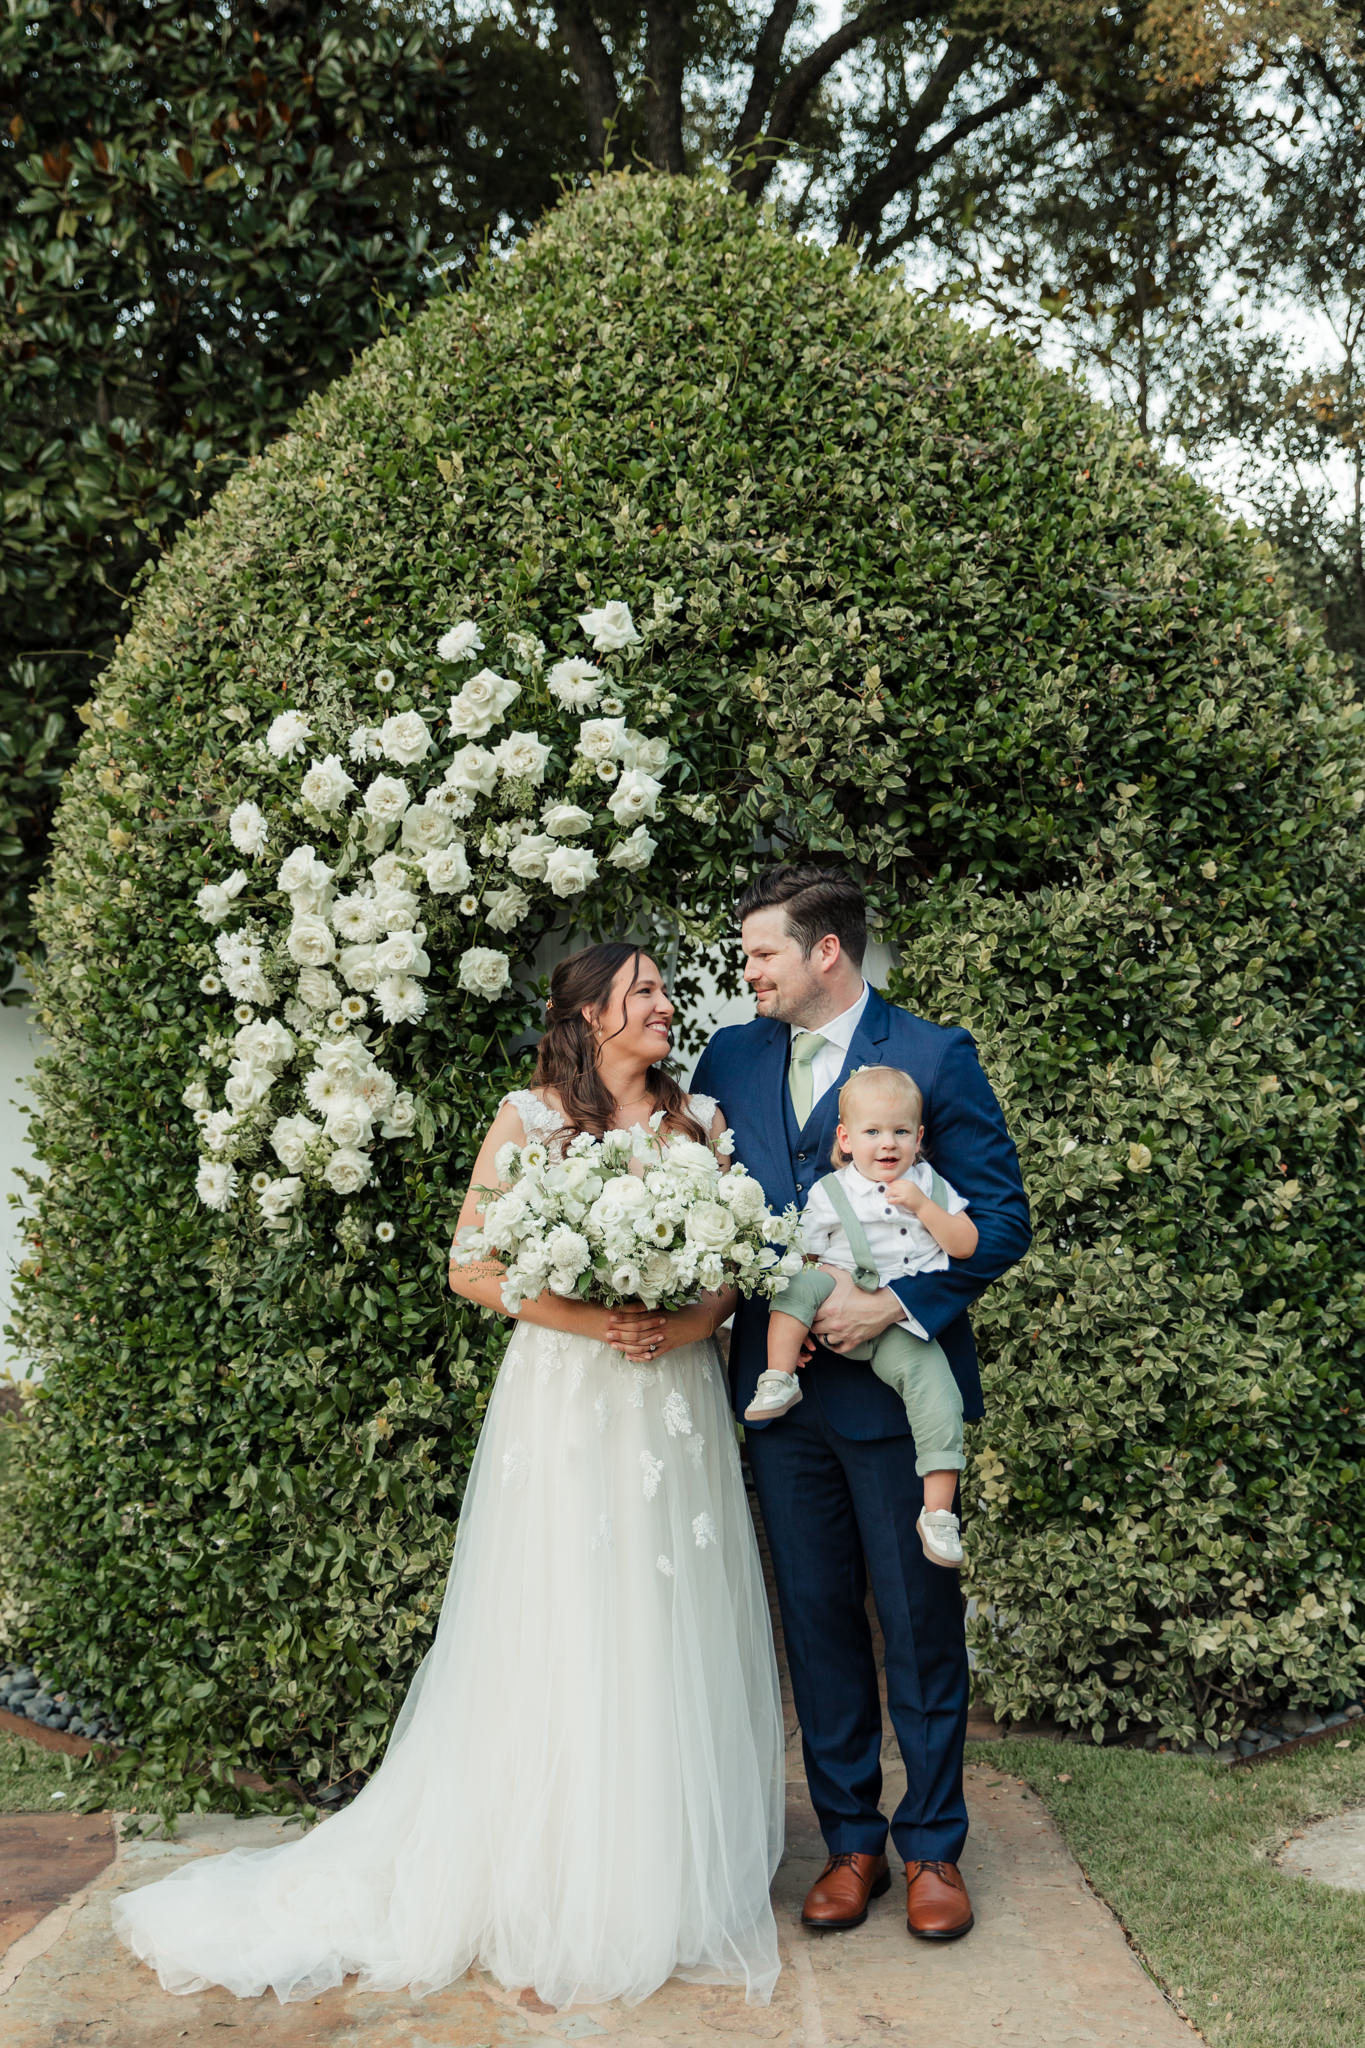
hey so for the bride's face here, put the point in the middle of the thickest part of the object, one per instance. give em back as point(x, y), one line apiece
point(637, 1017)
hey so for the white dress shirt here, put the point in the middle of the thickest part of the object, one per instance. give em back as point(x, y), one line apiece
point(838, 1036)
point(899, 1243)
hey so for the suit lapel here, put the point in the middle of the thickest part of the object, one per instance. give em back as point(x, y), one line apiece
point(770, 1101)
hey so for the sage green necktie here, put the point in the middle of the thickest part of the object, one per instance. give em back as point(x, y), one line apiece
point(805, 1045)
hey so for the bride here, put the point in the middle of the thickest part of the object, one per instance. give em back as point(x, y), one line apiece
point(583, 1790)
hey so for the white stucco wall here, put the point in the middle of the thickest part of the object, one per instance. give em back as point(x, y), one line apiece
point(19, 1047)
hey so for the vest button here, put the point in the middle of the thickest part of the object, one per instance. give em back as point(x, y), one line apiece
point(803, 1156)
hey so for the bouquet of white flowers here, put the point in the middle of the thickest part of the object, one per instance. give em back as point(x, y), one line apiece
point(635, 1216)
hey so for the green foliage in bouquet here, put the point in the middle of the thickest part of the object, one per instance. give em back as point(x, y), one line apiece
point(906, 600)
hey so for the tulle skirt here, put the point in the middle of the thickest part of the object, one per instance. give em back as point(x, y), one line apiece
point(583, 1790)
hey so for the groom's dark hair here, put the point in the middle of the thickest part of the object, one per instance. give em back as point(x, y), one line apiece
point(818, 901)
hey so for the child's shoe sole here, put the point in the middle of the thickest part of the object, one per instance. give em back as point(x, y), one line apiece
point(770, 1412)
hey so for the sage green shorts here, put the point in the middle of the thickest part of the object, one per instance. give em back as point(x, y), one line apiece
point(914, 1367)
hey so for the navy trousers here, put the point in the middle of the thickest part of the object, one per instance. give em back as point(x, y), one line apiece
point(837, 1510)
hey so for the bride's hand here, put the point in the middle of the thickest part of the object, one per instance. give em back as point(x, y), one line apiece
point(646, 1334)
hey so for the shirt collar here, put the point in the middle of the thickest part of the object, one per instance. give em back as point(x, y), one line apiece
point(839, 1030)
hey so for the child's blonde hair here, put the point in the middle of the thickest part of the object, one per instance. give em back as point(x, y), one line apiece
point(893, 1081)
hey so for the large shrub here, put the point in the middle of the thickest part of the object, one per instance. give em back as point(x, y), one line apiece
point(936, 613)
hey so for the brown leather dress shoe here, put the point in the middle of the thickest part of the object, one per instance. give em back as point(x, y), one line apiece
point(936, 1904)
point(839, 1896)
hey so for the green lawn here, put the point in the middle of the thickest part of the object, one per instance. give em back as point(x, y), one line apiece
point(1182, 1852)
point(30, 1776)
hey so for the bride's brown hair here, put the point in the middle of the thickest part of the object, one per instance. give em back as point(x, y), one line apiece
point(567, 1058)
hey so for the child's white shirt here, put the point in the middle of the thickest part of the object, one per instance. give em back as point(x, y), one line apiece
point(898, 1241)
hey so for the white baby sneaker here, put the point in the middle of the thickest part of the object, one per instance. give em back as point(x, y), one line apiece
point(939, 1533)
point(775, 1393)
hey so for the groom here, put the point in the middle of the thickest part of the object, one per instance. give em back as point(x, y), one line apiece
point(836, 1474)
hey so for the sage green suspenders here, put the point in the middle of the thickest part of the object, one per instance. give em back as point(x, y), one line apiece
point(865, 1268)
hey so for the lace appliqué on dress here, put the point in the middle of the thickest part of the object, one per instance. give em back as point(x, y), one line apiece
point(704, 1530)
point(516, 1465)
point(653, 1470)
point(677, 1414)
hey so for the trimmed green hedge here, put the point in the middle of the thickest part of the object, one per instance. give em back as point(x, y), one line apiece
point(937, 614)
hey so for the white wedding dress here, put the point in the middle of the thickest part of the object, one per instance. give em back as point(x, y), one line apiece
point(583, 1791)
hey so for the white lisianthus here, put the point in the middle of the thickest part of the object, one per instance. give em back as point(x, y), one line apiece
point(528, 857)
point(195, 1096)
point(633, 854)
point(627, 1278)
point(401, 1120)
point(566, 821)
point(460, 642)
point(425, 827)
point(216, 1184)
point(364, 744)
point(506, 908)
point(347, 1171)
point(569, 870)
point(288, 733)
point(215, 900)
point(405, 738)
point(310, 942)
point(326, 786)
point(610, 627)
point(576, 683)
point(386, 799)
point(638, 751)
point(447, 870)
point(484, 971)
point(247, 829)
point(290, 1139)
point(601, 739)
point(635, 796)
point(355, 918)
point(358, 970)
point(277, 1198)
point(522, 756)
point(481, 703)
point(474, 771)
point(401, 999)
point(348, 1123)
point(401, 953)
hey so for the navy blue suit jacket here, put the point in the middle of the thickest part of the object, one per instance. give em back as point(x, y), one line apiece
point(745, 1069)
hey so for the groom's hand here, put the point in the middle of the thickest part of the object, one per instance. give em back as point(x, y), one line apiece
point(849, 1316)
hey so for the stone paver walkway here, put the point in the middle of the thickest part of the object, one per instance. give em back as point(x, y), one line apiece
point(1047, 1966)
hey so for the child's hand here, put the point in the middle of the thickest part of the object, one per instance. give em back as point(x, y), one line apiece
point(905, 1194)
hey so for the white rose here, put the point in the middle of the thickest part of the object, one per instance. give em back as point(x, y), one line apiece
point(505, 908)
point(401, 998)
point(375, 1089)
point(302, 870)
point(216, 1184)
point(633, 854)
point(639, 752)
point(481, 703)
point(567, 821)
point(358, 969)
point(290, 1140)
point(447, 870)
point(460, 642)
point(311, 943)
point(395, 908)
point(401, 953)
point(287, 734)
point(278, 1197)
point(390, 871)
point(576, 683)
point(401, 1120)
point(601, 739)
point(522, 757)
point(528, 857)
point(425, 827)
point(473, 771)
point(195, 1096)
point(213, 903)
point(569, 869)
point(347, 1171)
point(264, 1044)
point(405, 738)
point(484, 971)
point(386, 799)
point(219, 1128)
point(610, 628)
point(326, 786)
point(347, 1123)
point(635, 796)
point(247, 829)
point(710, 1226)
